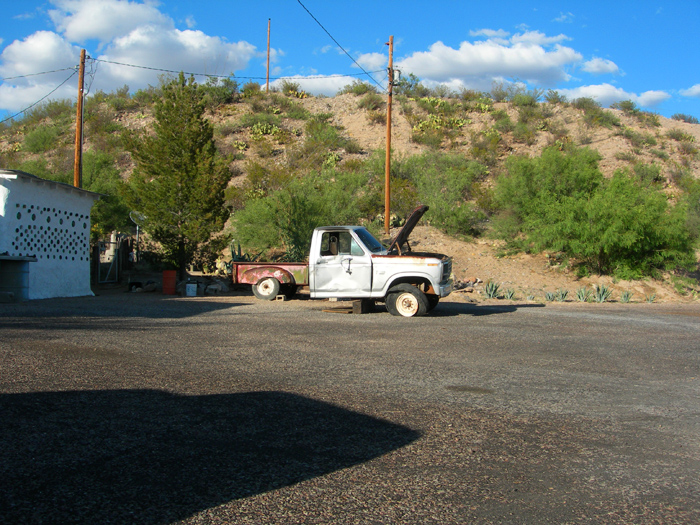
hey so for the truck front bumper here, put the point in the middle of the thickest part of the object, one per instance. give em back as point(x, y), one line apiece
point(445, 289)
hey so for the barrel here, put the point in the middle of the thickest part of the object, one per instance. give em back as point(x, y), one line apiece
point(169, 279)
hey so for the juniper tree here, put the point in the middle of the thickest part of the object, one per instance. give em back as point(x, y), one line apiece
point(179, 180)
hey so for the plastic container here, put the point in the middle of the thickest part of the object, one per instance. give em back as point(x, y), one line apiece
point(169, 280)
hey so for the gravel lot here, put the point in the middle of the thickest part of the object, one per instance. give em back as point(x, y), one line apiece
point(144, 408)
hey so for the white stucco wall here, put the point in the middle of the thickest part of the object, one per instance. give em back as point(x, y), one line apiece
point(50, 221)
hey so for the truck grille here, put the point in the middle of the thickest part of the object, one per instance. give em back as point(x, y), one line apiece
point(446, 269)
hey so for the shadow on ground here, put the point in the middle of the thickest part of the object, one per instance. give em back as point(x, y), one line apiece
point(447, 309)
point(144, 456)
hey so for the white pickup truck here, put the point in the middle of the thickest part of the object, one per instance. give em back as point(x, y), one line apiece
point(349, 262)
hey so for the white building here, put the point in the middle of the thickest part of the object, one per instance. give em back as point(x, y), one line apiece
point(44, 237)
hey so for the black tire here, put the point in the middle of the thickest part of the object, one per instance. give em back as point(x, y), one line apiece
point(433, 300)
point(266, 288)
point(390, 303)
point(406, 300)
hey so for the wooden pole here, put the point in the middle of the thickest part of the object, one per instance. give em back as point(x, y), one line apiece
point(267, 84)
point(387, 178)
point(78, 161)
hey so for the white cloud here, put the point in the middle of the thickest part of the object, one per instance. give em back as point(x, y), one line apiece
point(192, 51)
point(537, 38)
point(130, 33)
point(479, 64)
point(490, 33)
point(42, 51)
point(608, 94)
point(691, 92)
point(103, 20)
point(565, 18)
point(373, 61)
point(600, 66)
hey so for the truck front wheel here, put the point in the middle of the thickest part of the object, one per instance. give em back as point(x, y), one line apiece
point(407, 301)
point(266, 288)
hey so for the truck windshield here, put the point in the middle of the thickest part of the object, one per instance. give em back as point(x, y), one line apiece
point(372, 244)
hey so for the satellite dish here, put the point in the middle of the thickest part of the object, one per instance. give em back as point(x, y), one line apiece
point(137, 217)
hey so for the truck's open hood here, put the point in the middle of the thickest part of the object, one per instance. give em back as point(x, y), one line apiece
point(407, 228)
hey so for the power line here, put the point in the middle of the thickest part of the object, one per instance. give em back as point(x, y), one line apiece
point(317, 77)
point(41, 99)
point(35, 74)
point(341, 47)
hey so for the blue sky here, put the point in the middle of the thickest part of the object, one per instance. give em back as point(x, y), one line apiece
point(612, 51)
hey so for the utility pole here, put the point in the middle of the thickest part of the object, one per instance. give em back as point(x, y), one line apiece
point(267, 84)
point(387, 178)
point(78, 166)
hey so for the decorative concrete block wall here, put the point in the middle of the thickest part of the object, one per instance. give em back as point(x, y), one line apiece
point(50, 221)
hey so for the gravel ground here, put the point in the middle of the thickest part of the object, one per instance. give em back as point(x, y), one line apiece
point(142, 408)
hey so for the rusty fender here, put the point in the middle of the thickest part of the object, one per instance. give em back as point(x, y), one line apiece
point(285, 274)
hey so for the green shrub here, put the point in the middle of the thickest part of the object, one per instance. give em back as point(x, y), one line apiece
point(371, 102)
point(41, 138)
point(219, 91)
point(680, 135)
point(358, 88)
point(251, 89)
point(250, 120)
point(601, 293)
point(560, 202)
point(58, 111)
point(628, 107)
point(445, 182)
point(685, 118)
point(412, 87)
point(524, 99)
point(554, 97)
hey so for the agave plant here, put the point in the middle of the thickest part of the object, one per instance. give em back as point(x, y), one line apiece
point(549, 296)
point(626, 296)
point(491, 290)
point(650, 298)
point(583, 294)
point(510, 294)
point(561, 294)
point(601, 293)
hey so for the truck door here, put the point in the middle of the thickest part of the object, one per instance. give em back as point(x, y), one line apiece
point(343, 268)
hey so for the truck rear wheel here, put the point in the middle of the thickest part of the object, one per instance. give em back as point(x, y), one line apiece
point(266, 288)
point(406, 300)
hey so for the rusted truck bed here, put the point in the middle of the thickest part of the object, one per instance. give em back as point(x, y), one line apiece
point(286, 273)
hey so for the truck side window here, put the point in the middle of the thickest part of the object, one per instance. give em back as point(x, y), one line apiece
point(339, 243)
point(329, 244)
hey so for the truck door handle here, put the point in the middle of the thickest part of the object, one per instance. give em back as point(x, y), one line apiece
point(347, 260)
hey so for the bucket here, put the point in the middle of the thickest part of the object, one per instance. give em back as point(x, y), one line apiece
point(191, 289)
point(169, 278)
